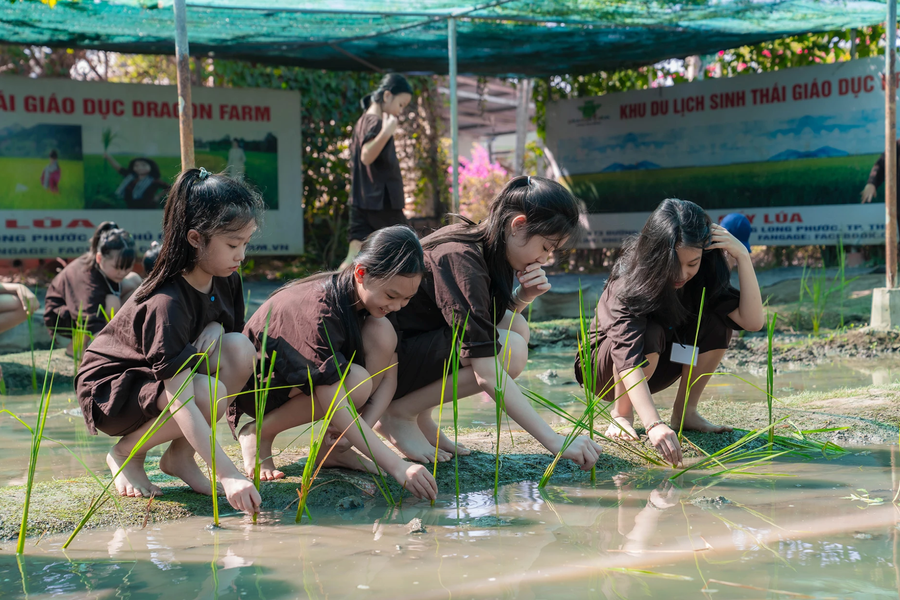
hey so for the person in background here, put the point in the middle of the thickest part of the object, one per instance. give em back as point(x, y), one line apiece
point(376, 184)
point(236, 160)
point(876, 177)
point(142, 184)
point(51, 174)
point(150, 256)
point(17, 303)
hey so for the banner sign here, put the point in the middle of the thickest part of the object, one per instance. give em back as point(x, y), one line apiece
point(75, 154)
point(791, 149)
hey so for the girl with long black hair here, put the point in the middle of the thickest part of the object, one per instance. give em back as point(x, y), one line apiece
point(328, 324)
point(643, 330)
point(190, 304)
point(376, 184)
point(488, 273)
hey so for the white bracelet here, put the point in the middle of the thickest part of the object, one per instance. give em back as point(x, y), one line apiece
point(518, 298)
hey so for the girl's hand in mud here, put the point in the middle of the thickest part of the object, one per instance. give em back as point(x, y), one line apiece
point(584, 452)
point(336, 438)
point(533, 282)
point(241, 494)
point(666, 443)
point(417, 480)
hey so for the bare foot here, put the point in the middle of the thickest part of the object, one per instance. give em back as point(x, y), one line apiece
point(694, 421)
point(430, 431)
point(622, 428)
point(178, 461)
point(133, 480)
point(267, 470)
point(406, 436)
point(347, 460)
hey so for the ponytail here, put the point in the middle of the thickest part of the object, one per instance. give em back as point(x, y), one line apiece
point(109, 238)
point(394, 83)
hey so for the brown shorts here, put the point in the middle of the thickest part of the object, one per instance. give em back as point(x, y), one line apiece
point(421, 359)
point(120, 412)
point(714, 336)
point(365, 222)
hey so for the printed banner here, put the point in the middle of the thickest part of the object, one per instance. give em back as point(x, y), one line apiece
point(791, 149)
point(74, 154)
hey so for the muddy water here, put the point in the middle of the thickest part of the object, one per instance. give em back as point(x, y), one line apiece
point(633, 536)
point(66, 424)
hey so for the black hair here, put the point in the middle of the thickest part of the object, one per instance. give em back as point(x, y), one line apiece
point(150, 257)
point(394, 83)
point(212, 205)
point(550, 211)
point(155, 173)
point(649, 264)
point(109, 238)
point(54, 154)
point(386, 253)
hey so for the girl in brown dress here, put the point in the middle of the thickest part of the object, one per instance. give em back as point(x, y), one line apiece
point(101, 278)
point(650, 305)
point(328, 324)
point(471, 270)
point(376, 184)
point(192, 303)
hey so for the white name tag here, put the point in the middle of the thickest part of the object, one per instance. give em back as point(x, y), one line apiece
point(684, 355)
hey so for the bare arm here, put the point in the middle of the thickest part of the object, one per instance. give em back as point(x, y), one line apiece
point(661, 436)
point(373, 148)
point(112, 162)
point(749, 314)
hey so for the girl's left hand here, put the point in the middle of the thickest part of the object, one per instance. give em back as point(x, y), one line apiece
point(209, 337)
point(29, 301)
point(723, 240)
point(533, 281)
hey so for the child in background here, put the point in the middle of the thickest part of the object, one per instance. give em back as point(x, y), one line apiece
point(471, 272)
point(17, 303)
point(100, 278)
point(646, 320)
point(191, 303)
point(316, 327)
point(150, 257)
point(51, 174)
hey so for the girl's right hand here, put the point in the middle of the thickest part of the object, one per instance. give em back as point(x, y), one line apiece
point(584, 452)
point(666, 443)
point(417, 480)
point(241, 494)
point(389, 123)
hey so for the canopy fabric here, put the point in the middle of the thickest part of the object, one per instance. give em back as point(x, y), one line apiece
point(494, 37)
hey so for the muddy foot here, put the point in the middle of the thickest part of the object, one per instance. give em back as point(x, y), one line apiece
point(133, 480)
point(178, 461)
point(447, 448)
point(622, 428)
point(695, 422)
point(406, 436)
point(247, 440)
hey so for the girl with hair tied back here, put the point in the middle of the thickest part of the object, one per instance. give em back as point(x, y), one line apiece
point(376, 190)
point(325, 325)
point(643, 330)
point(100, 278)
point(190, 305)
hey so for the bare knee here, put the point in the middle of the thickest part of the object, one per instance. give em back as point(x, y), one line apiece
point(379, 338)
point(514, 353)
point(359, 379)
point(239, 352)
point(517, 323)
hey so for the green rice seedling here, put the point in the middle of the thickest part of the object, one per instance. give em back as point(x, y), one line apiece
point(437, 442)
point(30, 313)
point(107, 138)
point(818, 287)
point(107, 315)
point(3, 391)
point(499, 394)
point(80, 337)
point(260, 399)
point(213, 419)
point(690, 381)
point(456, 343)
point(37, 435)
point(588, 373)
point(770, 370)
point(158, 423)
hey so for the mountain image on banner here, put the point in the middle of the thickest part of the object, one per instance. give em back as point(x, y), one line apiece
point(823, 152)
point(641, 166)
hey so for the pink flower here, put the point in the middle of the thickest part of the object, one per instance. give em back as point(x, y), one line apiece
point(767, 53)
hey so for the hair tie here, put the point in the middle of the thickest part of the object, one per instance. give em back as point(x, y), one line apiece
point(203, 174)
point(529, 180)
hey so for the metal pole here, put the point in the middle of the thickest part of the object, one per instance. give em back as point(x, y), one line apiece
point(185, 107)
point(890, 146)
point(853, 35)
point(523, 91)
point(454, 116)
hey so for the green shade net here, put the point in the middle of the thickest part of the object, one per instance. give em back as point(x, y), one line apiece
point(500, 37)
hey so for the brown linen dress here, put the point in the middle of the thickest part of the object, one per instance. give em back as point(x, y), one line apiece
point(82, 285)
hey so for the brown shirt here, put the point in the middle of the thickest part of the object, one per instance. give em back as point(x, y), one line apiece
point(304, 327)
point(456, 284)
point(153, 341)
point(78, 286)
point(626, 331)
point(378, 186)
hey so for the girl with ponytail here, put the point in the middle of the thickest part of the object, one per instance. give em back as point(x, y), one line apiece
point(323, 326)
point(190, 304)
point(100, 278)
point(376, 194)
point(483, 275)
